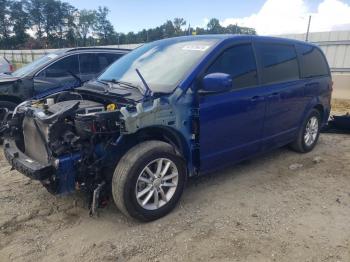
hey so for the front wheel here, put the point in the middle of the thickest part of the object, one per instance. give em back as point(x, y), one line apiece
point(309, 133)
point(148, 181)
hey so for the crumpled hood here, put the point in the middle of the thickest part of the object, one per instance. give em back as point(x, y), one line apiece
point(5, 78)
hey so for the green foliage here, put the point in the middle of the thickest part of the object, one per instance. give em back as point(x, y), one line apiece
point(5, 22)
point(103, 27)
point(87, 19)
point(20, 21)
point(57, 24)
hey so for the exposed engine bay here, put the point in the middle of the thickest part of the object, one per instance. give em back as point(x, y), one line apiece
point(72, 133)
point(74, 140)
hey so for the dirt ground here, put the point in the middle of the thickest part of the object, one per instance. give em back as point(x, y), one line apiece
point(340, 106)
point(282, 206)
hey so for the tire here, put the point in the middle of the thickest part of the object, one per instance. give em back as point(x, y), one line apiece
point(128, 182)
point(9, 105)
point(302, 144)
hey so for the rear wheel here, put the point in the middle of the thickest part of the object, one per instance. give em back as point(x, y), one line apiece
point(148, 181)
point(309, 133)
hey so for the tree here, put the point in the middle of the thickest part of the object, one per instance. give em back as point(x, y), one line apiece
point(178, 24)
point(87, 19)
point(214, 26)
point(20, 21)
point(58, 24)
point(5, 22)
point(36, 16)
point(66, 19)
point(103, 26)
point(168, 29)
point(71, 34)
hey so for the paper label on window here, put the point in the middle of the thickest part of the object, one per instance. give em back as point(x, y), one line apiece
point(200, 48)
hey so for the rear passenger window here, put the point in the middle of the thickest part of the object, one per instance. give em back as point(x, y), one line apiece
point(279, 62)
point(239, 62)
point(313, 62)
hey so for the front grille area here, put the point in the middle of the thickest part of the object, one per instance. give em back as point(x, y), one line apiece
point(35, 138)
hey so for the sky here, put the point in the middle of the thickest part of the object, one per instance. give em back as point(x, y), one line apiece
point(268, 17)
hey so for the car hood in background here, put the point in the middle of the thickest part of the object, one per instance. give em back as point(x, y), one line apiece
point(4, 78)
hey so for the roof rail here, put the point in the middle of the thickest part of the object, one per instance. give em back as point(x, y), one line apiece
point(97, 48)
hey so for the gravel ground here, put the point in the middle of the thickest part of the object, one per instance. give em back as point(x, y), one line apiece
point(282, 206)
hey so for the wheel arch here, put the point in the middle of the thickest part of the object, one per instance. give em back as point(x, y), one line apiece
point(315, 103)
point(165, 134)
point(160, 133)
point(320, 109)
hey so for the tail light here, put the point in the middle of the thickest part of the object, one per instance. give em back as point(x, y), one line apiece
point(12, 68)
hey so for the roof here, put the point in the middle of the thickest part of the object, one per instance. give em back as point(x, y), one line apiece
point(223, 37)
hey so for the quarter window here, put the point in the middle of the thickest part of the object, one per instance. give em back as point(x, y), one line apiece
point(279, 62)
point(239, 62)
point(313, 63)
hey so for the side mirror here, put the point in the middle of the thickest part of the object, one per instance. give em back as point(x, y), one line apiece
point(217, 82)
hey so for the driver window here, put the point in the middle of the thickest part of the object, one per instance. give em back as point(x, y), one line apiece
point(239, 62)
point(62, 68)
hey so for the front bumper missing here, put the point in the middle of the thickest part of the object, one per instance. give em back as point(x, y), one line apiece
point(25, 164)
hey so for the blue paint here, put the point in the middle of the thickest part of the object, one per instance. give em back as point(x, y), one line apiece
point(217, 82)
point(66, 173)
point(63, 87)
point(234, 124)
point(241, 123)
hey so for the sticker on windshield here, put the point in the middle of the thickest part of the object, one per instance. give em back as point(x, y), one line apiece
point(52, 56)
point(201, 48)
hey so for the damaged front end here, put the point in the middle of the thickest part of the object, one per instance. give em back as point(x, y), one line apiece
point(73, 141)
point(65, 141)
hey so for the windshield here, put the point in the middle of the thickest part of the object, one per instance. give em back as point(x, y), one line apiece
point(25, 70)
point(163, 64)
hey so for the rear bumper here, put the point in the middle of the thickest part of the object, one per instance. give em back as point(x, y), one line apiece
point(25, 164)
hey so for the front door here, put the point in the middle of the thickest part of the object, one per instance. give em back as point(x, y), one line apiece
point(231, 123)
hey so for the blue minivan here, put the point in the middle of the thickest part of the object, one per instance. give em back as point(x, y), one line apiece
point(170, 110)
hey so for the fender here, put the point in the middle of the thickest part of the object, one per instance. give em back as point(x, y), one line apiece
point(313, 103)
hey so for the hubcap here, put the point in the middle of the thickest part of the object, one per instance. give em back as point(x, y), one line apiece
point(156, 184)
point(311, 131)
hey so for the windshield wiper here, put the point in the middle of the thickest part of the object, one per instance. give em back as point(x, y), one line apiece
point(121, 83)
point(147, 91)
point(110, 87)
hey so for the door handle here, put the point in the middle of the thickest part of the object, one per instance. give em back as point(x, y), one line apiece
point(257, 98)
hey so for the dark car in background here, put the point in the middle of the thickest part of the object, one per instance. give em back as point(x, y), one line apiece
point(57, 71)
